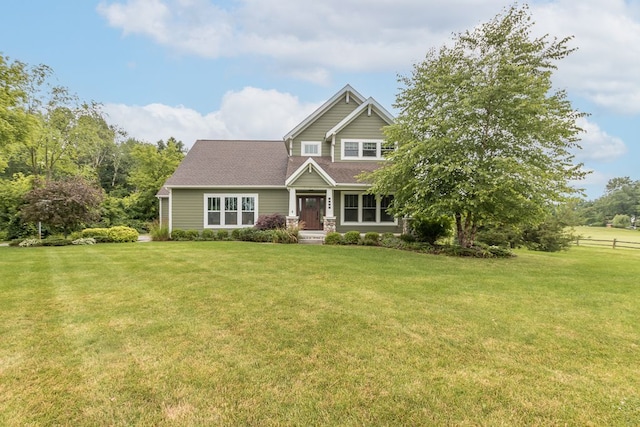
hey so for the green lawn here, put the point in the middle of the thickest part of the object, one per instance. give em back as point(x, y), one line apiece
point(608, 233)
point(232, 333)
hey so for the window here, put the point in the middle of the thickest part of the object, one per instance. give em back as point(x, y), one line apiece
point(311, 148)
point(230, 210)
point(369, 207)
point(359, 208)
point(351, 149)
point(351, 208)
point(368, 149)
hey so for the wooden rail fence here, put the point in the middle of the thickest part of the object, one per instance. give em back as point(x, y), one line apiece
point(614, 244)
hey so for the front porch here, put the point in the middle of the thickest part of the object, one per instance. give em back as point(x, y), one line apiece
point(312, 209)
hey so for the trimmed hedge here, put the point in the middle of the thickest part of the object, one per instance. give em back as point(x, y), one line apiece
point(333, 238)
point(352, 238)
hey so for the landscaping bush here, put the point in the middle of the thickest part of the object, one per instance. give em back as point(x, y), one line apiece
point(372, 238)
point(122, 234)
point(178, 234)
point(3, 236)
point(505, 236)
point(159, 233)
point(550, 236)
point(408, 238)
point(192, 234)
point(222, 235)
point(270, 222)
point(208, 234)
point(352, 238)
point(285, 235)
point(333, 238)
point(430, 230)
point(27, 243)
point(95, 232)
point(84, 241)
point(55, 241)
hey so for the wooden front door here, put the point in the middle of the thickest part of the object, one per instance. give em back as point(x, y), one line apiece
point(311, 211)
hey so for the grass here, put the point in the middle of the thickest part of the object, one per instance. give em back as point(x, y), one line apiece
point(610, 233)
point(232, 333)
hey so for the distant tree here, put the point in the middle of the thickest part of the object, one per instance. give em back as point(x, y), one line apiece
point(63, 205)
point(481, 135)
point(615, 184)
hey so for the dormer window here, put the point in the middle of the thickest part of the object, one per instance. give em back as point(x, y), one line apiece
point(311, 148)
point(363, 149)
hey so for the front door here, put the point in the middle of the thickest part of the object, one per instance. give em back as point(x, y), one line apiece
point(311, 211)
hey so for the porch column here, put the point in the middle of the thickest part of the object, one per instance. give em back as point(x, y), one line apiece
point(329, 219)
point(292, 218)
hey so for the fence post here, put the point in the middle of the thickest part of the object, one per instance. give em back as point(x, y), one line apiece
point(614, 243)
point(577, 241)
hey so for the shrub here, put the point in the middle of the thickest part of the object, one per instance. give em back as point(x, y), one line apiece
point(244, 234)
point(27, 243)
point(372, 238)
point(222, 235)
point(352, 238)
point(333, 238)
point(270, 222)
point(159, 233)
point(431, 229)
point(285, 235)
point(178, 234)
point(549, 236)
point(122, 234)
point(55, 241)
point(192, 234)
point(505, 236)
point(95, 232)
point(408, 238)
point(84, 241)
point(621, 221)
point(3, 236)
point(208, 234)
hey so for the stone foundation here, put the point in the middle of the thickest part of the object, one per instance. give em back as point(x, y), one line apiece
point(329, 224)
point(292, 221)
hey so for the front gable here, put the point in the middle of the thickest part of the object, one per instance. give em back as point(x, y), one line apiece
point(310, 175)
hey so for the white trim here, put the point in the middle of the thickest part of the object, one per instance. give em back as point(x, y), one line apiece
point(170, 210)
point(160, 211)
point(308, 163)
point(293, 202)
point(317, 144)
point(239, 210)
point(377, 222)
point(232, 187)
point(361, 143)
point(348, 90)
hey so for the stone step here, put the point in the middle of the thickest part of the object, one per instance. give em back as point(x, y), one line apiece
point(310, 238)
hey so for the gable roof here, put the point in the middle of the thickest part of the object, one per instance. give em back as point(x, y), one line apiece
point(369, 105)
point(347, 90)
point(232, 163)
point(342, 173)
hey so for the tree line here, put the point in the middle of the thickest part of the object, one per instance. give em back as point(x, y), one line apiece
point(49, 137)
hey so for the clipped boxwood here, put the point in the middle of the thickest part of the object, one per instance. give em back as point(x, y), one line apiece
point(122, 234)
point(192, 234)
point(178, 234)
point(55, 241)
point(208, 234)
point(222, 235)
point(333, 238)
point(372, 238)
point(352, 238)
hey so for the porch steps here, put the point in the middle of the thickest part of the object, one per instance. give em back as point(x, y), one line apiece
point(306, 237)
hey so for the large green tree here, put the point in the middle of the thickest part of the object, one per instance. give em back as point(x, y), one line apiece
point(482, 135)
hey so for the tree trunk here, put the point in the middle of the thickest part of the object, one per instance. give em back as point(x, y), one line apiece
point(465, 230)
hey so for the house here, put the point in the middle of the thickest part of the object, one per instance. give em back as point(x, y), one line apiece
point(309, 176)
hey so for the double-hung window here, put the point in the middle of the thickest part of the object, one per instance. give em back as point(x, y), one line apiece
point(360, 208)
point(365, 149)
point(230, 210)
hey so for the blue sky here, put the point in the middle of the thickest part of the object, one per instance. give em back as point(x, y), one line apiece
point(247, 69)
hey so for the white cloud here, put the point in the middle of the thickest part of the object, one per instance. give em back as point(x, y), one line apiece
point(311, 39)
point(597, 145)
point(248, 114)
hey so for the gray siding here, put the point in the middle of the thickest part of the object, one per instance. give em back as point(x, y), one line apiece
point(319, 128)
point(363, 127)
point(310, 180)
point(188, 205)
point(164, 211)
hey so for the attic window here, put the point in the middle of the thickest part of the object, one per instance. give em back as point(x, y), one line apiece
point(311, 148)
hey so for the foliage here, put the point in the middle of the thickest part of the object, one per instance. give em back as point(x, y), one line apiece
point(208, 234)
point(333, 238)
point(507, 236)
point(84, 241)
point(100, 234)
point(222, 235)
point(122, 234)
point(371, 238)
point(27, 243)
point(63, 205)
point(621, 221)
point(549, 236)
point(160, 233)
point(481, 135)
point(178, 234)
point(12, 192)
point(270, 222)
point(352, 238)
point(56, 241)
point(430, 230)
point(192, 234)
